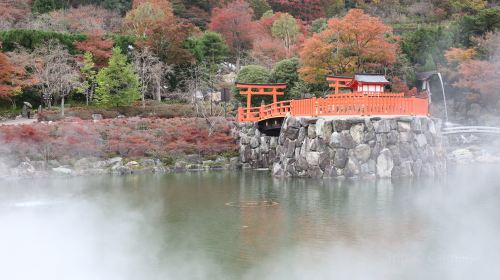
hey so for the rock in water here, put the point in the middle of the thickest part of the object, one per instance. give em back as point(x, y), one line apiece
point(62, 170)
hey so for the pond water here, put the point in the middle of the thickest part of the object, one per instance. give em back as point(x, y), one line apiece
point(248, 225)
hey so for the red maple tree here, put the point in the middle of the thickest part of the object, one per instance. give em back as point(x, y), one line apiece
point(234, 22)
point(100, 48)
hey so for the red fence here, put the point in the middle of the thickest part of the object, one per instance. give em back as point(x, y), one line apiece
point(354, 104)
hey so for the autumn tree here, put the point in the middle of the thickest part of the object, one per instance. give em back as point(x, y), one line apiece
point(10, 83)
point(480, 76)
point(98, 46)
point(117, 84)
point(155, 26)
point(56, 73)
point(85, 19)
point(356, 42)
point(13, 11)
point(277, 36)
point(234, 22)
point(151, 71)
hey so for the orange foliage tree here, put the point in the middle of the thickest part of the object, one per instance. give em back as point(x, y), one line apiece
point(234, 22)
point(12, 77)
point(155, 25)
point(356, 42)
point(480, 76)
point(457, 55)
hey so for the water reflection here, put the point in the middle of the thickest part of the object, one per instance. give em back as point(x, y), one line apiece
point(179, 226)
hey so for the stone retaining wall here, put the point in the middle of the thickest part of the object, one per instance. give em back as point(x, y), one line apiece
point(350, 148)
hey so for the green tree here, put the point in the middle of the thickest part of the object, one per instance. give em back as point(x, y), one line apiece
point(31, 39)
point(285, 71)
point(118, 5)
point(425, 42)
point(209, 47)
point(286, 28)
point(335, 7)
point(117, 84)
point(45, 6)
point(252, 74)
point(259, 7)
point(318, 25)
point(88, 72)
point(468, 5)
point(487, 20)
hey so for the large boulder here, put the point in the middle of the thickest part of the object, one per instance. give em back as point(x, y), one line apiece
point(312, 158)
point(362, 152)
point(301, 164)
point(357, 133)
point(62, 170)
point(382, 126)
point(421, 140)
point(351, 168)
point(462, 155)
point(290, 149)
point(392, 137)
point(311, 131)
point(324, 129)
point(404, 126)
point(292, 133)
point(254, 142)
point(302, 136)
point(24, 169)
point(315, 172)
point(278, 170)
point(292, 122)
point(342, 140)
point(340, 158)
point(385, 164)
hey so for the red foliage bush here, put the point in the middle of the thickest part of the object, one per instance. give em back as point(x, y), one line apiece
point(132, 137)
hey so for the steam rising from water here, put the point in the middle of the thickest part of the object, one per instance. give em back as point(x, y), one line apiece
point(178, 227)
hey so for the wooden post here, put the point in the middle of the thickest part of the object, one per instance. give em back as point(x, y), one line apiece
point(249, 100)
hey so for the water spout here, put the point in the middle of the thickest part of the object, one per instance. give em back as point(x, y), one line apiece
point(444, 98)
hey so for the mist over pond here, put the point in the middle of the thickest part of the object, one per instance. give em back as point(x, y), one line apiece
point(194, 226)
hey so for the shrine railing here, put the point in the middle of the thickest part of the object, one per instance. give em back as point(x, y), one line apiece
point(352, 104)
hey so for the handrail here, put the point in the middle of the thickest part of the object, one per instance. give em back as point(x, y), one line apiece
point(357, 103)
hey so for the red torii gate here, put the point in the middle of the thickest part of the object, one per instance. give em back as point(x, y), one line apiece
point(250, 89)
point(338, 82)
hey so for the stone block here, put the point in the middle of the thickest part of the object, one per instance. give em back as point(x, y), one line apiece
point(382, 126)
point(340, 158)
point(362, 152)
point(385, 164)
point(357, 132)
point(311, 131)
point(312, 158)
point(292, 133)
point(324, 129)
